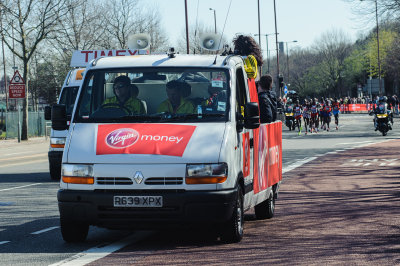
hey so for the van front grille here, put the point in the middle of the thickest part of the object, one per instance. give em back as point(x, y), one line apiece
point(114, 181)
point(164, 181)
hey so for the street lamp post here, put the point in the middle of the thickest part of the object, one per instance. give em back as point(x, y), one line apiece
point(215, 19)
point(377, 39)
point(277, 51)
point(266, 38)
point(287, 59)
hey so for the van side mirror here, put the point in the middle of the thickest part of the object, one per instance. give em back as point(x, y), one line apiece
point(252, 116)
point(59, 117)
point(47, 113)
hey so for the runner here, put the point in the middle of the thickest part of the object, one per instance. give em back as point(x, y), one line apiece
point(326, 115)
point(298, 115)
point(314, 116)
point(336, 111)
point(307, 115)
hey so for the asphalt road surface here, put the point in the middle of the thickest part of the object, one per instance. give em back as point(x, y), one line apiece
point(338, 204)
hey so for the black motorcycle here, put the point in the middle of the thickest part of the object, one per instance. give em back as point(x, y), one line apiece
point(382, 119)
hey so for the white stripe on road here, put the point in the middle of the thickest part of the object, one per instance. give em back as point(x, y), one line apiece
point(45, 230)
point(3, 242)
point(297, 164)
point(97, 253)
point(24, 163)
point(11, 188)
point(23, 157)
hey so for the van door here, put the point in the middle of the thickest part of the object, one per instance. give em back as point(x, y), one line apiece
point(245, 136)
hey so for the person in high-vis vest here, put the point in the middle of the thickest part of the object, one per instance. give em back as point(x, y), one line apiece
point(176, 104)
point(125, 96)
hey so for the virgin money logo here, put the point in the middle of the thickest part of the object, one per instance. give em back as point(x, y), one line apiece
point(122, 138)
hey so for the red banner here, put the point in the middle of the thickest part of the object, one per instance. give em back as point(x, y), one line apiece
point(355, 107)
point(267, 156)
point(158, 139)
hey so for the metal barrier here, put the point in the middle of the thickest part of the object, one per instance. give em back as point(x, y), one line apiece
point(36, 124)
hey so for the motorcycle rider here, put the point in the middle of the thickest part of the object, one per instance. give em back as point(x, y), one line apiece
point(382, 108)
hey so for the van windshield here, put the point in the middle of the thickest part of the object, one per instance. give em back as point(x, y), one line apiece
point(157, 95)
point(67, 97)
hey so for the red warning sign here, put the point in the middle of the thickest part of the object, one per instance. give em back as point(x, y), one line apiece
point(16, 89)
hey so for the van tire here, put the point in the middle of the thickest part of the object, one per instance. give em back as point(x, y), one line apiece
point(73, 232)
point(266, 209)
point(232, 230)
point(55, 171)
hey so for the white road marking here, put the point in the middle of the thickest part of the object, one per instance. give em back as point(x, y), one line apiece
point(24, 163)
point(23, 157)
point(340, 150)
point(6, 189)
point(99, 252)
point(45, 230)
point(3, 242)
point(297, 164)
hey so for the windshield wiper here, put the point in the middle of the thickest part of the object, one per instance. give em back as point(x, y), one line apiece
point(140, 117)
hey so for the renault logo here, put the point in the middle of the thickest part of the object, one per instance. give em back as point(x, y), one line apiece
point(138, 177)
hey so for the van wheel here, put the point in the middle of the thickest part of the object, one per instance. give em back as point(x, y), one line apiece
point(266, 209)
point(74, 231)
point(55, 171)
point(232, 231)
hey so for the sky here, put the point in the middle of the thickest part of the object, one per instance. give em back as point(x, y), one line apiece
point(301, 20)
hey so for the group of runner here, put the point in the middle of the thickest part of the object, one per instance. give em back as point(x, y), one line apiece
point(315, 113)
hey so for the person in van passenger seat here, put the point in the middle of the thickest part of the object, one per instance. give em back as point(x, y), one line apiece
point(267, 100)
point(125, 96)
point(175, 103)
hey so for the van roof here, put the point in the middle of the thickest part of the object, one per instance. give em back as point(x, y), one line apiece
point(164, 61)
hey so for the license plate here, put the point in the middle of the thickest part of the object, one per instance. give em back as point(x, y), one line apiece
point(138, 201)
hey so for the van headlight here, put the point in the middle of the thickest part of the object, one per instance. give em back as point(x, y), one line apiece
point(212, 173)
point(77, 174)
point(57, 142)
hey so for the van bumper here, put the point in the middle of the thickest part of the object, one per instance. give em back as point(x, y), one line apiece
point(179, 208)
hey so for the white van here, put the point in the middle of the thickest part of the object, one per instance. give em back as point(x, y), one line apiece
point(204, 160)
point(67, 97)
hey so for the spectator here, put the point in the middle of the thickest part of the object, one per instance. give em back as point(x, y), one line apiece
point(267, 100)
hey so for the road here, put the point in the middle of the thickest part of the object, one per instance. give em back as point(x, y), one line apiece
point(30, 234)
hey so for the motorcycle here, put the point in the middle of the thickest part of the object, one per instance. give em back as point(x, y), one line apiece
point(381, 120)
point(289, 118)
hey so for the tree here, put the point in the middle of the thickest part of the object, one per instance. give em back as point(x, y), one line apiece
point(126, 17)
point(333, 48)
point(32, 21)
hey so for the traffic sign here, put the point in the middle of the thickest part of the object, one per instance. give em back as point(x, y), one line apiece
point(285, 90)
point(16, 89)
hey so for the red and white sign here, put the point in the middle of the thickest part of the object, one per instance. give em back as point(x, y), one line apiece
point(16, 89)
point(81, 58)
point(158, 139)
point(267, 155)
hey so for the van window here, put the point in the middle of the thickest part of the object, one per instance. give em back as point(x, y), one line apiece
point(180, 95)
point(67, 97)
